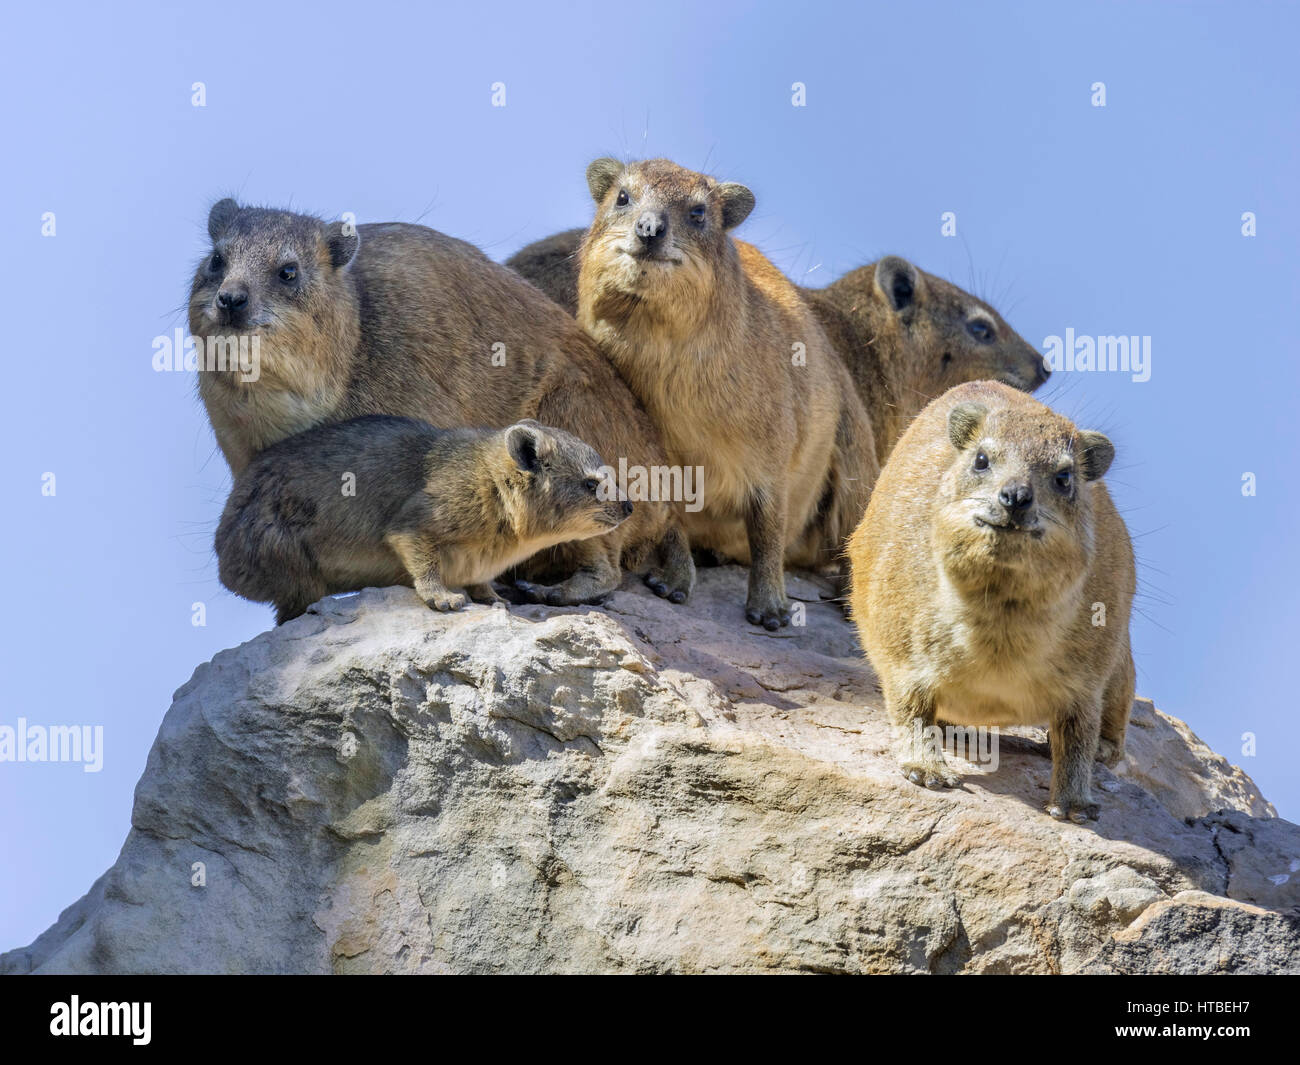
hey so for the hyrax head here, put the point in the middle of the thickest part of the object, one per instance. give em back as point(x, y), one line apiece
point(1017, 493)
point(946, 336)
point(267, 271)
point(660, 230)
point(558, 484)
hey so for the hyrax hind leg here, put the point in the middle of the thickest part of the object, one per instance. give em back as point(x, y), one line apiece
point(597, 575)
point(1073, 735)
point(295, 602)
point(673, 575)
point(766, 603)
point(420, 558)
point(913, 713)
point(1116, 703)
point(849, 481)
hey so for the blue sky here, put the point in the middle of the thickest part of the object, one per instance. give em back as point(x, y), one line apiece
point(1117, 220)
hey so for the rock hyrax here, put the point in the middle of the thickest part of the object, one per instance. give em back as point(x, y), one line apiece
point(399, 319)
point(380, 500)
point(992, 582)
point(733, 368)
point(906, 336)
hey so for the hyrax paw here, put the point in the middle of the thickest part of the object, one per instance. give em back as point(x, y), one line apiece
point(771, 614)
point(552, 594)
point(534, 593)
point(486, 594)
point(1108, 752)
point(449, 601)
point(664, 590)
point(1078, 812)
point(933, 775)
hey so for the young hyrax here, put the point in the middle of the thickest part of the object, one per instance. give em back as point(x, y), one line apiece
point(992, 581)
point(381, 500)
point(733, 368)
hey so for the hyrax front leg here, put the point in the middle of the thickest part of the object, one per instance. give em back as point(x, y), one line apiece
point(766, 604)
point(913, 711)
point(673, 575)
point(423, 564)
point(1073, 736)
point(596, 576)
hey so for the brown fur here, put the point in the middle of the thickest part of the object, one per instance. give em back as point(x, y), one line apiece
point(381, 500)
point(903, 343)
point(908, 336)
point(406, 324)
point(993, 623)
point(733, 368)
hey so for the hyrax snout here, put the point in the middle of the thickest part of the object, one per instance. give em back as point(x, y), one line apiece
point(383, 500)
point(992, 584)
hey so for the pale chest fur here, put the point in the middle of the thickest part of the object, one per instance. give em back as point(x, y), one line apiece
point(247, 418)
point(1008, 667)
point(691, 392)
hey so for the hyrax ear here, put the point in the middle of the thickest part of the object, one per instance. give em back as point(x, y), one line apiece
point(964, 421)
point(343, 240)
point(1095, 453)
point(526, 442)
point(601, 175)
point(897, 281)
point(222, 214)
point(737, 201)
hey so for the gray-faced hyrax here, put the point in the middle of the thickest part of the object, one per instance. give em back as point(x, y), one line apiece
point(380, 500)
point(906, 336)
point(399, 319)
point(992, 584)
point(733, 368)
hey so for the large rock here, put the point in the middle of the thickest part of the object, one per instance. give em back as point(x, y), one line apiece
point(378, 788)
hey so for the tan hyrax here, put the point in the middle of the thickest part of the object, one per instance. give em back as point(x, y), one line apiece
point(992, 585)
point(734, 369)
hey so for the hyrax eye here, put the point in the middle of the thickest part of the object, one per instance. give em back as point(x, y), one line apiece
point(592, 485)
point(217, 264)
point(1064, 479)
point(622, 200)
point(980, 330)
point(698, 213)
point(288, 272)
point(981, 461)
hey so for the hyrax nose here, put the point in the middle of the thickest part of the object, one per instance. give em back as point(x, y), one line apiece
point(650, 225)
point(232, 299)
point(1016, 495)
point(627, 506)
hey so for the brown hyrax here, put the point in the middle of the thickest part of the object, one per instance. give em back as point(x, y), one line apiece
point(733, 368)
point(906, 336)
point(399, 319)
point(992, 582)
point(379, 500)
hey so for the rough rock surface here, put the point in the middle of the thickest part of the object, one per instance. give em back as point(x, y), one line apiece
point(374, 787)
